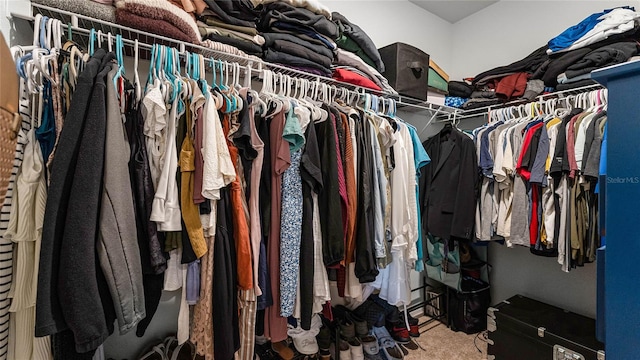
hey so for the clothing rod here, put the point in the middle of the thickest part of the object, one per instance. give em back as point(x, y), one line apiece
point(75, 19)
point(484, 111)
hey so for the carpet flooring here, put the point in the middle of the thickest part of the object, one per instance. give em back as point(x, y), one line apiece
point(441, 343)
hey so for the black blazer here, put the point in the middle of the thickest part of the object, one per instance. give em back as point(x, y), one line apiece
point(448, 185)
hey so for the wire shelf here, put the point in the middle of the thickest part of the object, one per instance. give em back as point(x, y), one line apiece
point(81, 25)
point(484, 111)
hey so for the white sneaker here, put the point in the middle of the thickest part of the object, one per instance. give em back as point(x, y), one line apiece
point(345, 350)
point(355, 347)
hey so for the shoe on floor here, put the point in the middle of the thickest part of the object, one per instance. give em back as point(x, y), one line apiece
point(344, 348)
point(283, 350)
point(414, 327)
point(370, 344)
point(399, 332)
point(387, 344)
point(306, 345)
point(324, 338)
point(355, 347)
point(158, 352)
point(184, 351)
point(361, 326)
point(324, 355)
point(347, 329)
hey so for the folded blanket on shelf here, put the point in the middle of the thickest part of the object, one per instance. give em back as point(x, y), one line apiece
point(165, 11)
point(311, 44)
point(83, 7)
point(358, 35)
point(301, 51)
point(186, 5)
point(312, 5)
point(283, 12)
point(154, 26)
point(244, 45)
point(355, 79)
point(274, 56)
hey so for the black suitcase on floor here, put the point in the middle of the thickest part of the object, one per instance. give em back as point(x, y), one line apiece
point(524, 329)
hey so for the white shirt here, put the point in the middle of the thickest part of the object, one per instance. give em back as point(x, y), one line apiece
point(165, 209)
point(218, 170)
point(154, 113)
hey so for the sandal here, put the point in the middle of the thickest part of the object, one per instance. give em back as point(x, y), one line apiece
point(170, 344)
point(387, 344)
point(156, 353)
point(282, 348)
point(185, 351)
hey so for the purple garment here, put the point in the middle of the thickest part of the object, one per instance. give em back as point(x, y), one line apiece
point(193, 282)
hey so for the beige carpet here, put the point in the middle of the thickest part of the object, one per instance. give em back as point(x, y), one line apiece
point(441, 343)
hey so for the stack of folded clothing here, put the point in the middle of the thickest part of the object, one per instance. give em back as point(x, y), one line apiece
point(348, 67)
point(353, 39)
point(231, 23)
point(604, 56)
point(601, 39)
point(158, 17)
point(298, 37)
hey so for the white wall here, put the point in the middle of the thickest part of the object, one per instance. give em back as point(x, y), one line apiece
point(390, 21)
point(13, 35)
point(509, 30)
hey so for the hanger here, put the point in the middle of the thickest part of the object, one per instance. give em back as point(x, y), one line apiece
point(136, 77)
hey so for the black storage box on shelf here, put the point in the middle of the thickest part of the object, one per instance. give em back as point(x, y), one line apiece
point(468, 307)
point(526, 329)
point(407, 69)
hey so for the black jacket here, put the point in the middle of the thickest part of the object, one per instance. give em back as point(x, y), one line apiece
point(49, 316)
point(329, 196)
point(448, 185)
point(366, 263)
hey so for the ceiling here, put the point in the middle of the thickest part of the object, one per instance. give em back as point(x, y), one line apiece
point(453, 10)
